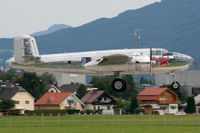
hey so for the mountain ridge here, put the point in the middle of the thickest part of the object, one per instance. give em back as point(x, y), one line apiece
point(51, 29)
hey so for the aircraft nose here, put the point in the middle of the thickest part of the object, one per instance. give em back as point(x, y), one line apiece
point(185, 58)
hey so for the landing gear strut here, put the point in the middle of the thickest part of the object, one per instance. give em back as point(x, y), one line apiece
point(118, 84)
point(175, 85)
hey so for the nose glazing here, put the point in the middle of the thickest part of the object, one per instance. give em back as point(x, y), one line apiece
point(184, 58)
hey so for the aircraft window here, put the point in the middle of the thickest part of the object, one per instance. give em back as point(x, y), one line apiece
point(168, 54)
point(153, 52)
point(158, 52)
point(85, 60)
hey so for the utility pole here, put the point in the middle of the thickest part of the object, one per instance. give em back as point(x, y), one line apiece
point(136, 33)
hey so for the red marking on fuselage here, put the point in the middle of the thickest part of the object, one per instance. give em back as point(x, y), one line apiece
point(160, 58)
point(164, 63)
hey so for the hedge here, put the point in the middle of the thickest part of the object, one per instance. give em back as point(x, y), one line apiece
point(52, 112)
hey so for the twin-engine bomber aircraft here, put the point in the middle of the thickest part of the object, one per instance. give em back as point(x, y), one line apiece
point(103, 62)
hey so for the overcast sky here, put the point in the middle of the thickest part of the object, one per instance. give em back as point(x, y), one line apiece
point(29, 16)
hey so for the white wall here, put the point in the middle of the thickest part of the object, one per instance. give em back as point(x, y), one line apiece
point(64, 78)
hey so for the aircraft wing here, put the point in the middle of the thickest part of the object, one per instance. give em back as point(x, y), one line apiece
point(110, 60)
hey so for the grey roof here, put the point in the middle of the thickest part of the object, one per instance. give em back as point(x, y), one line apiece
point(7, 92)
point(69, 87)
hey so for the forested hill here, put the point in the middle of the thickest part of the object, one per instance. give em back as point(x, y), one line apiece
point(171, 24)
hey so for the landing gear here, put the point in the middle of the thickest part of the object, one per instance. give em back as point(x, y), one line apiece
point(118, 84)
point(175, 85)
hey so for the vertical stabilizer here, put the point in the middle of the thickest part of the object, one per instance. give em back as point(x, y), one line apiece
point(25, 49)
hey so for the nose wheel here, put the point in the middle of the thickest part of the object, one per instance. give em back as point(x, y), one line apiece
point(175, 85)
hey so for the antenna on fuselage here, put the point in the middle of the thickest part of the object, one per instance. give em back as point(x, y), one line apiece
point(136, 33)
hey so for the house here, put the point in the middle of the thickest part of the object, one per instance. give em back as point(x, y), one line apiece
point(73, 87)
point(52, 88)
point(59, 100)
point(64, 88)
point(23, 99)
point(158, 101)
point(96, 100)
point(197, 103)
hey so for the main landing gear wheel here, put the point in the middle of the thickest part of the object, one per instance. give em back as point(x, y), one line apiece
point(175, 85)
point(119, 85)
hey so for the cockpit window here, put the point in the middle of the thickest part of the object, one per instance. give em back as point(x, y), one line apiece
point(158, 52)
point(153, 52)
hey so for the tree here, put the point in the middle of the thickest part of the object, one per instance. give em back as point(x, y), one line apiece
point(7, 104)
point(103, 83)
point(133, 104)
point(8, 75)
point(81, 91)
point(143, 80)
point(48, 78)
point(131, 89)
point(122, 104)
point(33, 84)
point(190, 105)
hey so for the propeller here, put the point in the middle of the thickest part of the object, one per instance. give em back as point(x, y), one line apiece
point(150, 69)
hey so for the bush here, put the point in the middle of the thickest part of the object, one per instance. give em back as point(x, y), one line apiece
point(139, 110)
point(89, 111)
point(99, 111)
point(73, 111)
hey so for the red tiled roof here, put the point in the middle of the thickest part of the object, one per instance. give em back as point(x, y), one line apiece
point(152, 91)
point(150, 94)
point(91, 96)
point(147, 98)
point(50, 98)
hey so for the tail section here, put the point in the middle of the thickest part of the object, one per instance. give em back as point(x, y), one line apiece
point(25, 49)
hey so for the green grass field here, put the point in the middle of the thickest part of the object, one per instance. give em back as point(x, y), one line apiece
point(100, 124)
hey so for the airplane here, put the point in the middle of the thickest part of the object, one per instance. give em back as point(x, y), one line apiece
point(102, 62)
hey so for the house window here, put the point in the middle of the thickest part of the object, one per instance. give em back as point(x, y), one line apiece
point(104, 98)
point(162, 99)
point(170, 98)
point(26, 102)
point(173, 107)
point(108, 107)
point(16, 102)
point(98, 107)
point(70, 102)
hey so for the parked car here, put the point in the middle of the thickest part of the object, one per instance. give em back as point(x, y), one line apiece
point(180, 113)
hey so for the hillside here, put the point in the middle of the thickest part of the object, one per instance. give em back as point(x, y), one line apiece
point(51, 29)
point(171, 24)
